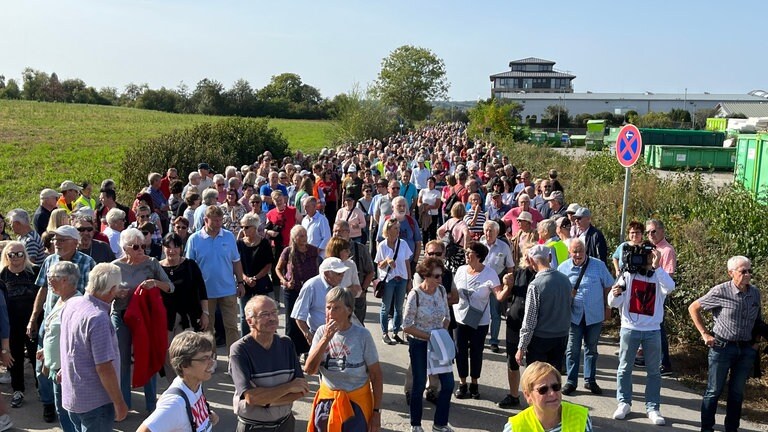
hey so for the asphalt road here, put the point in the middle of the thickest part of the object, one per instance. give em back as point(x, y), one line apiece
point(680, 405)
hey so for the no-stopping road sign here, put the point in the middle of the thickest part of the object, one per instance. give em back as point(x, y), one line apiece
point(629, 145)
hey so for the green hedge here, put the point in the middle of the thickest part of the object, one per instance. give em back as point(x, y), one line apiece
point(232, 141)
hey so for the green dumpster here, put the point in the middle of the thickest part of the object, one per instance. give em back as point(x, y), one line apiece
point(752, 164)
point(671, 157)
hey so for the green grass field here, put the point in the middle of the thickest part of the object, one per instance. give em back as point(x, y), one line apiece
point(43, 144)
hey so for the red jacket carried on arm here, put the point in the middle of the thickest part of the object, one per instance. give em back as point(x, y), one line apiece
point(147, 321)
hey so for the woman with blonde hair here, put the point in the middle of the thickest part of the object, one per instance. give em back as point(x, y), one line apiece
point(393, 257)
point(58, 218)
point(17, 283)
point(455, 235)
point(541, 384)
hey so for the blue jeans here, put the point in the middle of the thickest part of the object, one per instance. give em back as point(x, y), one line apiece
point(630, 341)
point(417, 349)
point(739, 361)
point(96, 420)
point(589, 334)
point(44, 384)
point(64, 420)
point(125, 346)
point(393, 291)
point(495, 308)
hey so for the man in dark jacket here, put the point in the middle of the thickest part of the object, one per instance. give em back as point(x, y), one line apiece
point(593, 238)
point(547, 320)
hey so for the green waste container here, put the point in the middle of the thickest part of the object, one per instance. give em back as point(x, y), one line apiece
point(682, 137)
point(751, 169)
point(578, 140)
point(689, 157)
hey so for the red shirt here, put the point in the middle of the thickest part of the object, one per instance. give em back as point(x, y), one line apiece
point(286, 219)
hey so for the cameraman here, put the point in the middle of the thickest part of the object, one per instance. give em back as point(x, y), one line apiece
point(634, 238)
point(639, 295)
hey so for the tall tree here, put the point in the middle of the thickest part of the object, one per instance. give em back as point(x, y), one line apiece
point(208, 97)
point(35, 84)
point(411, 76)
point(11, 90)
point(289, 87)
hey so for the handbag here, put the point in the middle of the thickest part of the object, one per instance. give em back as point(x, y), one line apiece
point(378, 290)
point(474, 315)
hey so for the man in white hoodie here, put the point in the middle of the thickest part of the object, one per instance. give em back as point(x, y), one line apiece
point(639, 295)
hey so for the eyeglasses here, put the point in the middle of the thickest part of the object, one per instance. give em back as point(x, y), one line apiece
point(651, 232)
point(15, 254)
point(85, 229)
point(180, 226)
point(545, 389)
point(434, 254)
point(134, 247)
point(206, 359)
point(263, 315)
point(437, 275)
point(743, 272)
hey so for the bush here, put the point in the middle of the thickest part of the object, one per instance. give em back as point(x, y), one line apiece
point(232, 141)
point(705, 225)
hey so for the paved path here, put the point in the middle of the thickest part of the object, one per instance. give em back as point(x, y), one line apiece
point(680, 405)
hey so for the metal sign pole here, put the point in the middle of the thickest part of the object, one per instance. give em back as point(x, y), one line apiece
point(624, 203)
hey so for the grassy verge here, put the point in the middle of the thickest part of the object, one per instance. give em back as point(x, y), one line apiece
point(42, 144)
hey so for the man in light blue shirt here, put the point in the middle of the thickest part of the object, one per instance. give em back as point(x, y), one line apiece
point(587, 314)
point(420, 174)
point(309, 310)
point(316, 224)
point(215, 251)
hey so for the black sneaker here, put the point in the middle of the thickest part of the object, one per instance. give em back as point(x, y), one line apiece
point(509, 401)
point(387, 340)
point(474, 391)
point(430, 396)
point(399, 340)
point(568, 389)
point(666, 372)
point(49, 413)
point(594, 388)
point(17, 400)
point(640, 362)
point(495, 348)
point(462, 392)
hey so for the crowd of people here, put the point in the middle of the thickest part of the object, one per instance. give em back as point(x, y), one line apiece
point(445, 230)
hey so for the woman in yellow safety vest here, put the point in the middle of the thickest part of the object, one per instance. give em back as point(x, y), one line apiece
point(541, 384)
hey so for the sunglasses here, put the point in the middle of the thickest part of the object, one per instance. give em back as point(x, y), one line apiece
point(134, 247)
point(395, 188)
point(434, 254)
point(545, 389)
point(15, 254)
point(437, 275)
point(85, 229)
point(743, 272)
point(651, 232)
point(255, 202)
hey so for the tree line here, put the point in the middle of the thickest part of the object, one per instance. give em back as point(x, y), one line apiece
point(286, 96)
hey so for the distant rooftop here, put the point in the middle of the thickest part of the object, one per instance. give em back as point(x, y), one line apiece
point(713, 97)
point(531, 60)
point(521, 74)
point(749, 109)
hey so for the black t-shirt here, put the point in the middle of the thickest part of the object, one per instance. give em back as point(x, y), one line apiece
point(19, 287)
point(254, 259)
point(185, 299)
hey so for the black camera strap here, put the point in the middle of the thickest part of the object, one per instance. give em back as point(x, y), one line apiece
point(581, 273)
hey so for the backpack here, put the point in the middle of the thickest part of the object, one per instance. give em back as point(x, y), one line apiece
point(411, 222)
point(440, 288)
point(452, 199)
point(179, 392)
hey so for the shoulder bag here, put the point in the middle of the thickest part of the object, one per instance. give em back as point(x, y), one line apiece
point(378, 290)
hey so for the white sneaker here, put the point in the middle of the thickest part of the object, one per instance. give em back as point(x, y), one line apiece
point(5, 378)
point(446, 428)
point(655, 417)
point(622, 411)
point(5, 422)
point(417, 429)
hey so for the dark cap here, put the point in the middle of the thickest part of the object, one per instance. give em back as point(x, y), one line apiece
point(204, 166)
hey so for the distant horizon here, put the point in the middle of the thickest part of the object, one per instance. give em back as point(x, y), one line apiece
point(663, 47)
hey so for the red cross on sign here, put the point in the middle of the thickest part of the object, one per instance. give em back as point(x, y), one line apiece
point(629, 145)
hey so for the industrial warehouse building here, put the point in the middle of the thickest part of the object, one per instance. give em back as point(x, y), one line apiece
point(536, 84)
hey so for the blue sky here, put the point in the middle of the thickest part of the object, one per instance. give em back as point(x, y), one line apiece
point(616, 46)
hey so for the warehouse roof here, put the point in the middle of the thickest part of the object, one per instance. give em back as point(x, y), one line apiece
point(749, 109)
point(712, 97)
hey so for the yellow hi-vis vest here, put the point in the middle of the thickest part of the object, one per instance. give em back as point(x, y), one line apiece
point(560, 249)
point(573, 419)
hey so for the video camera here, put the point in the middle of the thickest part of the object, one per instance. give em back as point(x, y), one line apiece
point(637, 257)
